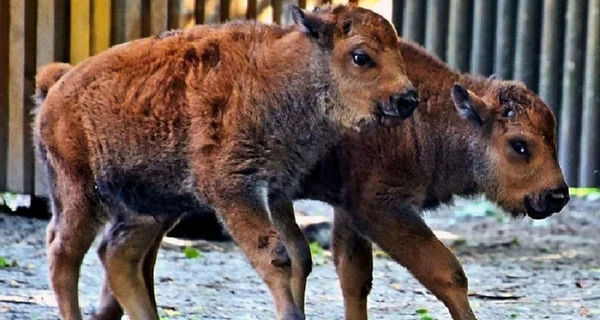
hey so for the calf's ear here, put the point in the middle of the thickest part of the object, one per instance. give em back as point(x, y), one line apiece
point(310, 23)
point(469, 105)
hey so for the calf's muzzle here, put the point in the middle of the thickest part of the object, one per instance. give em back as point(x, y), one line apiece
point(548, 202)
point(399, 105)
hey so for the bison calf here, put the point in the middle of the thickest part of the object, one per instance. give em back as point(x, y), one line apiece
point(380, 181)
point(227, 118)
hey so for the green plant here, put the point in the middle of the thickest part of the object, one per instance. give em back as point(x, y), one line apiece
point(589, 193)
point(4, 263)
point(424, 314)
point(192, 253)
point(380, 254)
point(316, 249)
point(318, 253)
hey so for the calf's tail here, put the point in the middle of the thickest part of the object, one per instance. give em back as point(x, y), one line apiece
point(46, 77)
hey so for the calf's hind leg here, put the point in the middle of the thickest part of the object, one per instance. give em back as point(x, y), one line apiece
point(353, 258)
point(123, 251)
point(69, 235)
point(109, 308)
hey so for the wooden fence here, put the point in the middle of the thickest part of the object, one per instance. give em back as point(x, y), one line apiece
point(551, 45)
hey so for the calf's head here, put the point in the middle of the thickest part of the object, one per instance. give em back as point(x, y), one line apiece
point(516, 137)
point(365, 63)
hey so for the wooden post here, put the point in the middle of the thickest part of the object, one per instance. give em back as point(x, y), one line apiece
point(277, 11)
point(126, 20)
point(199, 10)
point(224, 10)
point(133, 20)
point(251, 9)
point(552, 52)
point(80, 30)
point(4, 88)
point(21, 72)
point(100, 37)
point(397, 15)
point(482, 57)
point(459, 34)
point(505, 44)
point(47, 41)
point(528, 43)
point(413, 25)
point(570, 113)
point(437, 27)
point(589, 174)
point(159, 16)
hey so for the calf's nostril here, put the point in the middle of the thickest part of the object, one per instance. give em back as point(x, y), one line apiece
point(558, 199)
point(407, 99)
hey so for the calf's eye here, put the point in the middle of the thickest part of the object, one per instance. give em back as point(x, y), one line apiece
point(520, 148)
point(361, 58)
point(509, 113)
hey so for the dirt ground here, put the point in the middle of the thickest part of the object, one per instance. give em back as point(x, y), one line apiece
point(518, 269)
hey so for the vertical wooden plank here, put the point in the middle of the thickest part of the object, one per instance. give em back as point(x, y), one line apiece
point(589, 174)
point(199, 10)
point(277, 10)
point(238, 9)
point(46, 53)
point(146, 18)
point(437, 27)
point(21, 72)
point(413, 26)
point(126, 20)
point(62, 30)
point(570, 113)
point(159, 16)
point(4, 88)
point(181, 15)
point(528, 43)
point(251, 10)
point(100, 38)
point(46, 33)
point(133, 20)
point(211, 10)
point(482, 58)
point(80, 30)
point(398, 15)
point(506, 26)
point(552, 52)
point(224, 10)
point(459, 34)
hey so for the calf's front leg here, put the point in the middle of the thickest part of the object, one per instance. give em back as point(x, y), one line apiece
point(247, 220)
point(296, 245)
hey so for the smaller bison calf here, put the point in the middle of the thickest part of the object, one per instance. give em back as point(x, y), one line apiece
point(380, 181)
point(226, 118)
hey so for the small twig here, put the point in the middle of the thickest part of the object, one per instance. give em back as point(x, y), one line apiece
point(17, 300)
point(494, 297)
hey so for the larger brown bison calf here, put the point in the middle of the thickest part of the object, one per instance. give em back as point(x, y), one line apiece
point(227, 118)
point(380, 181)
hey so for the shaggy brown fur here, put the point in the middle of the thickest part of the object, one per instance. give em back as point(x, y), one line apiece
point(380, 181)
point(227, 118)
